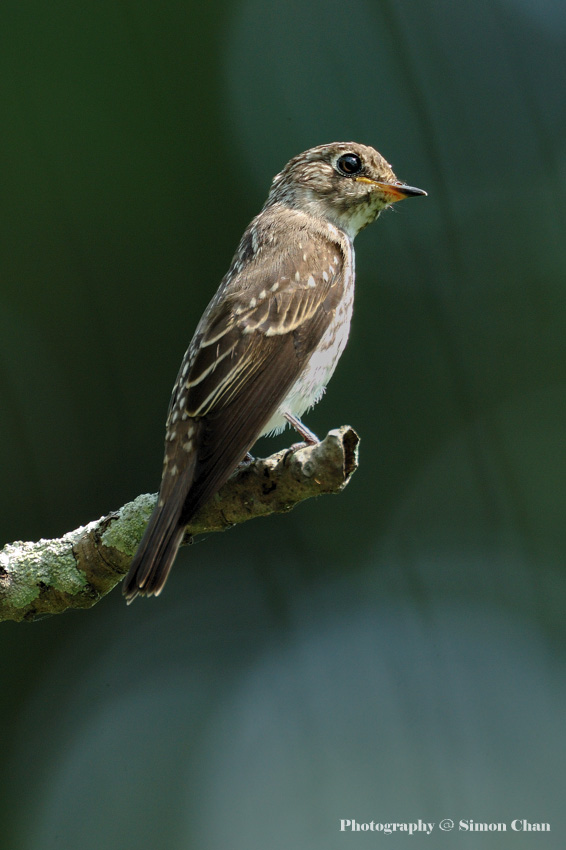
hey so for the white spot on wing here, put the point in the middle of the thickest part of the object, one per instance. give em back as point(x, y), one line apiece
point(311, 282)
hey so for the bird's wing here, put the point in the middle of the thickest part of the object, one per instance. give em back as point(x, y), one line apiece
point(248, 351)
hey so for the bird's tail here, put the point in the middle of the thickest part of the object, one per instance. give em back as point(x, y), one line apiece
point(156, 553)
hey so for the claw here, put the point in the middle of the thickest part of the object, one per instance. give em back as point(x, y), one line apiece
point(249, 458)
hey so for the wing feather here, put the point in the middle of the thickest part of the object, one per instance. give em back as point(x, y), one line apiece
point(236, 335)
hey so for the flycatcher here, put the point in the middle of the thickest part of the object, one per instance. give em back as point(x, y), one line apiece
point(269, 341)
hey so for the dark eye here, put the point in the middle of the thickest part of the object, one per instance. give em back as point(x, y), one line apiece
point(349, 163)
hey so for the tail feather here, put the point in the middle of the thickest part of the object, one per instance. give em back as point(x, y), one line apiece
point(155, 555)
point(181, 495)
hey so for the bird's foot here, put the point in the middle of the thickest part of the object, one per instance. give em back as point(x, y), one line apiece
point(249, 458)
point(309, 437)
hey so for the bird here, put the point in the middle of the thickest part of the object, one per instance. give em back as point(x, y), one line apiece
point(269, 340)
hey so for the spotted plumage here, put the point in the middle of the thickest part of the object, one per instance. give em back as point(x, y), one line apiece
point(269, 341)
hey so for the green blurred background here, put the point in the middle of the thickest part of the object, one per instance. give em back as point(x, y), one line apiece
point(390, 654)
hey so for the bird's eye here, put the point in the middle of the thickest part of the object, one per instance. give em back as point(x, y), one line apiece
point(349, 164)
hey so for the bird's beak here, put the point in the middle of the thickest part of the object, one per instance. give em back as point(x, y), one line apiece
point(393, 192)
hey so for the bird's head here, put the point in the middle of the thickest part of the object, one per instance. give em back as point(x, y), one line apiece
point(345, 183)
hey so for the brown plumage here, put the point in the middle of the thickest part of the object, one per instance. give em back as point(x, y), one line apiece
point(269, 340)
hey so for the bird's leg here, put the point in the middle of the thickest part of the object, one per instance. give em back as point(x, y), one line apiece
point(310, 439)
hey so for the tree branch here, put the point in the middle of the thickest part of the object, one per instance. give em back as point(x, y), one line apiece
point(78, 569)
